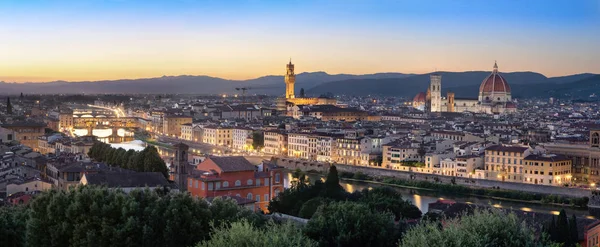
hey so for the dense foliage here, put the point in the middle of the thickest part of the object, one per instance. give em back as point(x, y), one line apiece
point(258, 140)
point(312, 196)
point(148, 160)
point(352, 224)
point(243, 233)
point(482, 228)
point(465, 190)
point(91, 216)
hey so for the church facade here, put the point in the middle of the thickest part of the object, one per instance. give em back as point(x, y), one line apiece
point(494, 97)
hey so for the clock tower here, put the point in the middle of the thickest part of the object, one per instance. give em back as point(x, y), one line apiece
point(290, 80)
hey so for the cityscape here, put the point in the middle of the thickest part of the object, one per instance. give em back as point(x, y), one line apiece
point(428, 152)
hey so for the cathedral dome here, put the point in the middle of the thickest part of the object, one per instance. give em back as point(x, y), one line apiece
point(420, 97)
point(494, 83)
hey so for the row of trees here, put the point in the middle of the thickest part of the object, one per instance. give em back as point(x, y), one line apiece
point(92, 216)
point(563, 230)
point(147, 160)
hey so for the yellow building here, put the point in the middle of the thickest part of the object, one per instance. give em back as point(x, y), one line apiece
point(218, 136)
point(172, 124)
point(549, 169)
point(505, 163)
point(65, 120)
point(27, 133)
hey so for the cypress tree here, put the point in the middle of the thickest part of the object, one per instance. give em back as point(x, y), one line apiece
point(8, 106)
point(573, 231)
point(562, 228)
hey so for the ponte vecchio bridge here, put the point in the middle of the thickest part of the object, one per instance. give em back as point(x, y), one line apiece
point(93, 118)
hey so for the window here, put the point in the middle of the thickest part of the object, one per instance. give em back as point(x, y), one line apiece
point(257, 198)
point(266, 181)
point(238, 183)
point(225, 184)
point(189, 183)
point(266, 197)
point(196, 184)
point(202, 185)
point(257, 182)
point(277, 177)
point(249, 182)
point(238, 195)
point(249, 196)
point(210, 186)
point(218, 185)
point(276, 192)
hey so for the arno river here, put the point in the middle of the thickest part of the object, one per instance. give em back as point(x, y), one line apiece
point(422, 198)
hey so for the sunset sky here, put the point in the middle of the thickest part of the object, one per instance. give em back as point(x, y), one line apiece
point(45, 40)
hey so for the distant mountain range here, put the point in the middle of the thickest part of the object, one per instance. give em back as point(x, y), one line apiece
point(464, 84)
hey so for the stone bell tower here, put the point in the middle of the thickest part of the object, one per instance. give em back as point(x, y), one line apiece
point(290, 80)
point(180, 165)
point(435, 87)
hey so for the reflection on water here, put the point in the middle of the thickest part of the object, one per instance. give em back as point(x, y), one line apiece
point(422, 198)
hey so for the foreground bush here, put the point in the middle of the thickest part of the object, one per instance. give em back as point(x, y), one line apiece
point(245, 234)
point(96, 216)
point(351, 224)
point(482, 228)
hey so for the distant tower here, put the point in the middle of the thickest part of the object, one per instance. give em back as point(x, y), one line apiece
point(435, 88)
point(180, 164)
point(450, 102)
point(8, 106)
point(290, 80)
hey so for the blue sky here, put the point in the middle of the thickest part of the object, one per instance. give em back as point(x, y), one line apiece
point(108, 39)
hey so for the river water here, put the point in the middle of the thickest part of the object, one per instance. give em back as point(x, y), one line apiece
point(422, 198)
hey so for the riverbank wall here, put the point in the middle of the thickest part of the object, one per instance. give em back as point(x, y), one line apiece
point(303, 165)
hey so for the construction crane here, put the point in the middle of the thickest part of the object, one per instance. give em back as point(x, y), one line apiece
point(243, 89)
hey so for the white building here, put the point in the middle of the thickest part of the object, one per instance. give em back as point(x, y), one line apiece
point(186, 132)
point(240, 137)
point(275, 142)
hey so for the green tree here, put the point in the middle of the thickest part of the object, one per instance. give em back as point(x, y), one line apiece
point(299, 179)
point(244, 233)
point(153, 162)
point(309, 207)
point(287, 201)
point(258, 140)
point(562, 228)
point(225, 211)
point(92, 216)
point(385, 199)
point(482, 228)
point(333, 189)
point(351, 224)
point(12, 225)
point(573, 230)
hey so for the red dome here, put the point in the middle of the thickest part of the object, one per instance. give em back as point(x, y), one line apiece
point(420, 97)
point(494, 83)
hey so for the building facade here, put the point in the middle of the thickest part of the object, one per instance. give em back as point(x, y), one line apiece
point(275, 142)
point(547, 169)
point(505, 163)
point(172, 124)
point(235, 177)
